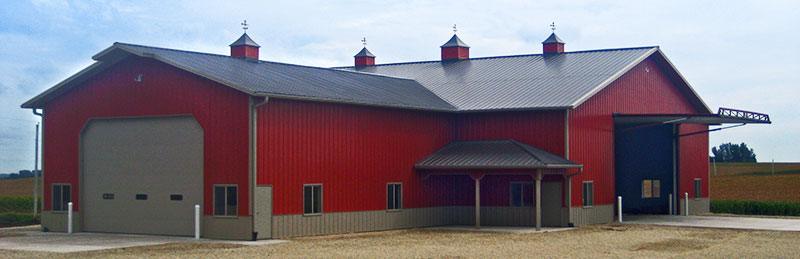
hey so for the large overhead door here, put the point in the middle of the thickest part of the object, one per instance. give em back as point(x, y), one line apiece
point(644, 169)
point(142, 175)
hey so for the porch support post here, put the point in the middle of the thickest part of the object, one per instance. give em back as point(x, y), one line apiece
point(538, 199)
point(477, 177)
point(478, 203)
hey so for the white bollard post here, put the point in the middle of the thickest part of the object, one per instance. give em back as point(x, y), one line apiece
point(196, 221)
point(686, 203)
point(619, 208)
point(69, 218)
point(670, 204)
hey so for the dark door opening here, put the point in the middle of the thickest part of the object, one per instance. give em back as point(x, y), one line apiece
point(644, 169)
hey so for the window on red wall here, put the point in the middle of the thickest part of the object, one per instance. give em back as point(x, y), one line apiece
point(588, 194)
point(61, 196)
point(394, 196)
point(698, 187)
point(521, 194)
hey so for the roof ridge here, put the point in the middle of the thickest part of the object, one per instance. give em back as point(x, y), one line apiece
point(507, 56)
point(522, 146)
point(267, 61)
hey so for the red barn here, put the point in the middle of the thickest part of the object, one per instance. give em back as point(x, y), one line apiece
point(273, 150)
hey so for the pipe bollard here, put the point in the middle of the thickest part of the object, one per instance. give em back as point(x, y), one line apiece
point(619, 208)
point(196, 221)
point(670, 204)
point(686, 204)
point(69, 218)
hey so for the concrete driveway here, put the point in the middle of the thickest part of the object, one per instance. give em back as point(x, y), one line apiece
point(31, 239)
point(775, 224)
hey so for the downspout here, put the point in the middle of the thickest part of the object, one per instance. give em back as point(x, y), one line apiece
point(253, 128)
point(569, 195)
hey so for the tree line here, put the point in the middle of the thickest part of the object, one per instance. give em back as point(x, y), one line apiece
point(728, 152)
point(20, 174)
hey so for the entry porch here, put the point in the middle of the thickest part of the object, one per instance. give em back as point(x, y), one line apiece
point(522, 185)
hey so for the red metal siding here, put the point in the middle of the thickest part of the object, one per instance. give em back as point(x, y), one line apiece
point(244, 51)
point(552, 48)
point(455, 53)
point(353, 151)
point(541, 129)
point(164, 90)
point(693, 159)
point(365, 61)
point(591, 126)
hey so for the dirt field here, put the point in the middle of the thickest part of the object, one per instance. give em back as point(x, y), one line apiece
point(585, 242)
point(748, 181)
point(726, 169)
point(756, 187)
point(22, 186)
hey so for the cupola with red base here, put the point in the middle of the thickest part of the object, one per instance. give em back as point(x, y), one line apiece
point(364, 57)
point(245, 47)
point(455, 49)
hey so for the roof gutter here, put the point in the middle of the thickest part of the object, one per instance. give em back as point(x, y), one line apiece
point(580, 171)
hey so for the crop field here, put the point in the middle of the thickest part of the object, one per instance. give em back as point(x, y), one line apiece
point(755, 182)
point(15, 187)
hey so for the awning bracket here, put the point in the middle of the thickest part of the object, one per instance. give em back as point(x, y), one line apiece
point(710, 130)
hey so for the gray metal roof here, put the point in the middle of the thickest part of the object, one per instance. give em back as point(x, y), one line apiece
point(519, 82)
point(489, 154)
point(244, 40)
point(281, 80)
point(364, 53)
point(523, 82)
point(455, 41)
point(553, 39)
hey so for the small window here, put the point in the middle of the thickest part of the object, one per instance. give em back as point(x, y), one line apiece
point(394, 196)
point(698, 187)
point(521, 194)
point(651, 188)
point(225, 200)
point(108, 196)
point(62, 195)
point(656, 188)
point(588, 194)
point(176, 197)
point(312, 199)
point(141, 197)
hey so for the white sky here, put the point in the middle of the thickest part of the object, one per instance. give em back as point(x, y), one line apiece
point(735, 54)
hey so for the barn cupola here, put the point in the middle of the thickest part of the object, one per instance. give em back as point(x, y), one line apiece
point(455, 49)
point(364, 57)
point(553, 44)
point(245, 47)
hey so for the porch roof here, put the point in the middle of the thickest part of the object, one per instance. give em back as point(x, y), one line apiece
point(492, 154)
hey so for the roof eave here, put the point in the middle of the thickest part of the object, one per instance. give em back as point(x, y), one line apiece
point(702, 103)
point(457, 167)
point(38, 101)
point(614, 77)
point(329, 100)
point(702, 107)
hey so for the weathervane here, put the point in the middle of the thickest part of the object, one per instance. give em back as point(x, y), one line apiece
point(553, 27)
point(244, 26)
point(454, 29)
point(364, 41)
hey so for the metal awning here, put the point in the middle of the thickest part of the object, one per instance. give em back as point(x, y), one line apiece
point(492, 154)
point(724, 115)
point(626, 122)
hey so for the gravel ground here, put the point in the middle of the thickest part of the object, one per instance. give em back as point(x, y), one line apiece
point(608, 240)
